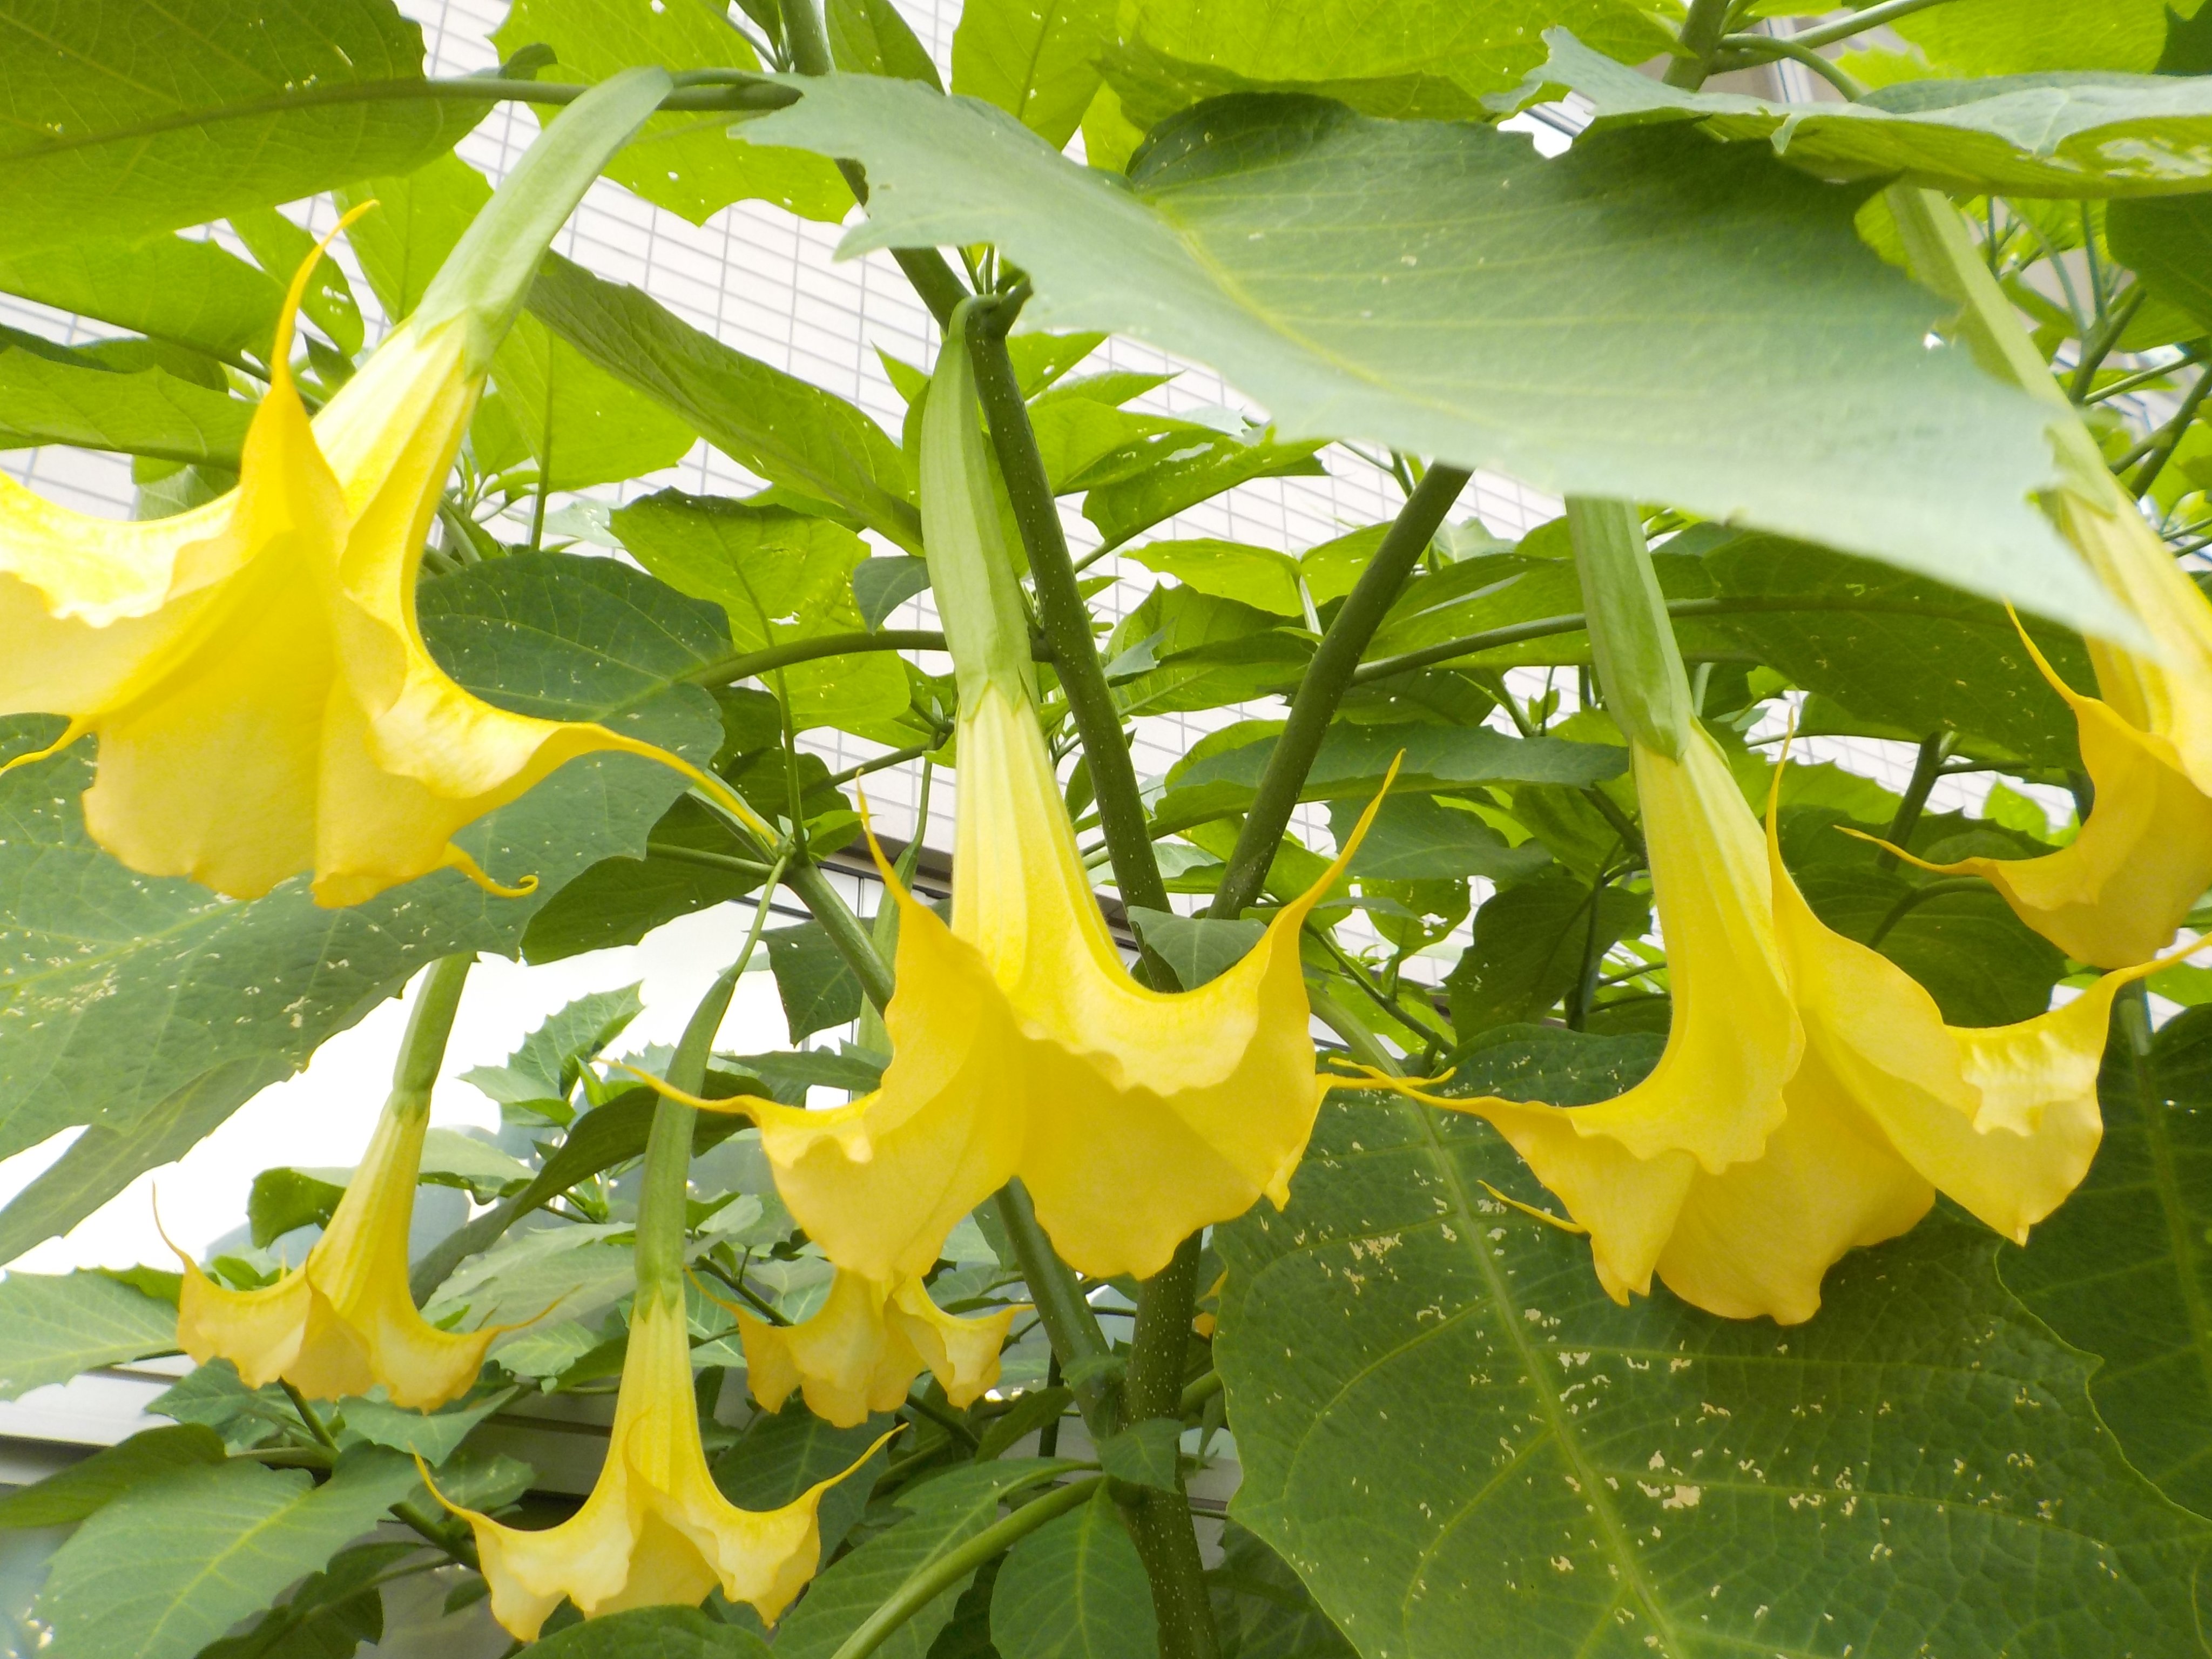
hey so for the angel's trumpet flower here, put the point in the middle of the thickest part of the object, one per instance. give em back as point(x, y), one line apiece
point(655, 1529)
point(344, 1320)
point(1021, 1045)
point(1810, 1097)
point(263, 698)
point(2116, 894)
point(861, 1351)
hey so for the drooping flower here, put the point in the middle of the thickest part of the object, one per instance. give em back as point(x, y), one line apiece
point(861, 1351)
point(262, 699)
point(1021, 1045)
point(344, 1320)
point(1810, 1098)
point(2143, 858)
point(655, 1529)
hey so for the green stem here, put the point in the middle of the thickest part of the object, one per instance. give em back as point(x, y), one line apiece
point(1182, 1608)
point(1927, 767)
point(2169, 436)
point(665, 849)
point(1746, 50)
point(308, 1415)
point(1917, 897)
point(430, 1024)
point(1700, 40)
point(1859, 22)
point(848, 933)
point(662, 1203)
point(747, 663)
point(1327, 678)
point(1069, 1322)
point(1065, 617)
point(2098, 346)
point(1358, 1036)
point(955, 1565)
point(1201, 1390)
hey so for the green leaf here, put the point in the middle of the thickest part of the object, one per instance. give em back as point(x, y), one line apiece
point(1466, 1448)
point(817, 988)
point(1529, 944)
point(127, 998)
point(191, 294)
point(1429, 838)
point(127, 119)
point(1038, 62)
point(330, 1615)
point(881, 586)
point(1191, 469)
point(1354, 760)
point(282, 1199)
point(419, 217)
point(781, 1454)
point(214, 1395)
point(432, 1436)
point(2169, 245)
point(619, 901)
point(1271, 238)
point(1398, 58)
point(788, 431)
point(2124, 1270)
point(944, 1513)
point(583, 425)
point(1902, 650)
point(455, 1158)
point(2021, 37)
point(870, 37)
point(149, 413)
point(1075, 1589)
point(570, 1272)
point(2078, 135)
point(1198, 948)
point(1181, 649)
point(781, 577)
point(71, 1494)
point(652, 1633)
point(54, 1326)
point(686, 162)
point(1257, 576)
point(166, 1569)
point(1261, 1609)
point(1146, 1454)
point(544, 1071)
point(280, 248)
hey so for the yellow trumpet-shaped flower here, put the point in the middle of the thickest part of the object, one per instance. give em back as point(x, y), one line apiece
point(2114, 894)
point(655, 1529)
point(344, 1319)
point(1020, 1043)
point(1810, 1098)
point(861, 1351)
point(262, 696)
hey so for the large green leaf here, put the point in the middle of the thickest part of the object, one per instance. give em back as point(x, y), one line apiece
point(2022, 37)
point(150, 412)
point(788, 431)
point(127, 1002)
point(1262, 1610)
point(163, 1570)
point(781, 577)
point(869, 37)
point(686, 162)
point(1650, 315)
point(2169, 245)
point(53, 1326)
point(70, 1494)
point(1354, 760)
point(619, 901)
point(191, 293)
point(2031, 134)
point(652, 1633)
point(129, 117)
point(1075, 1589)
point(1901, 650)
point(1466, 1449)
point(1035, 59)
point(1529, 947)
point(781, 1454)
point(2124, 1269)
point(1391, 58)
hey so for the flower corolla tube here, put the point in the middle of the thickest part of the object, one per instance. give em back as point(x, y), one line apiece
point(861, 1351)
point(1021, 1045)
point(656, 1530)
point(345, 1320)
point(1810, 1097)
point(263, 698)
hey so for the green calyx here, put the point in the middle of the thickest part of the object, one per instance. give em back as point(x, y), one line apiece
point(487, 276)
point(970, 571)
point(1639, 665)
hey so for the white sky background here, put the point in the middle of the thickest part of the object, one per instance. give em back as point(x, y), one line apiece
point(770, 287)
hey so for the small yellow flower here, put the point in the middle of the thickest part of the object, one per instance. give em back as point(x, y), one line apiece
point(2114, 896)
point(263, 698)
point(343, 1320)
point(656, 1530)
point(861, 1351)
point(1810, 1097)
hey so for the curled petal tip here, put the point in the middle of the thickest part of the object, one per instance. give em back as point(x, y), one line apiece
point(735, 1105)
point(1544, 1216)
